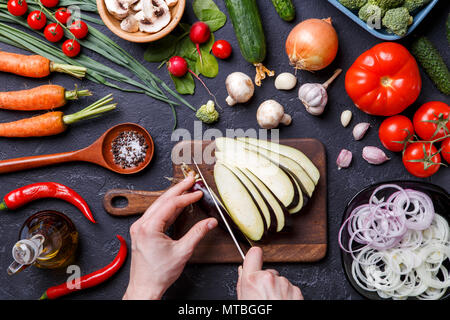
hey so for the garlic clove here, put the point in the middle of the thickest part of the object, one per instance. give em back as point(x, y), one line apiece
point(374, 155)
point(285, 81)
point(346, 117)
point(359, 131)
point(344, 159)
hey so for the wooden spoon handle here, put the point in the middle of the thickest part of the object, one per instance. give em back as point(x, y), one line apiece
point(136, 201)
point(19, 164)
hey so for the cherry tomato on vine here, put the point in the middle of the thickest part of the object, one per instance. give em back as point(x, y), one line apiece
point(395, 131)
point(79, 29)
point(50, 3)
point(53, 32)
point(445, 149)
point(221, 49)
point(36, 20)
point(17, 7)
point(432, 120)
point(421, 159)
point(62, 15)
point(71, 48)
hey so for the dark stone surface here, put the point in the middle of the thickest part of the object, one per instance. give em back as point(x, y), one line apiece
point(321, 280)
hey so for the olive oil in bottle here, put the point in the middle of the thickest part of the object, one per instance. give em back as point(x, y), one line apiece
point(47, 239)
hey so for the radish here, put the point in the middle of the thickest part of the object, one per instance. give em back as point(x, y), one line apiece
point(178, 67)
point(200, 33)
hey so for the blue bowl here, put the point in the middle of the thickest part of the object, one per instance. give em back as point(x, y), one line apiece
point(382, 33)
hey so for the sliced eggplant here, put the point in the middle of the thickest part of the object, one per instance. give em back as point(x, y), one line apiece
point(239, 203)
point(289, 165)
point(289, 152)
point(257, 196)
point(301, 201)
point(271, 174)
point(278, 209)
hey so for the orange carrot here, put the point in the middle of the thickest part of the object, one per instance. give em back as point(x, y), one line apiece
point(40, 98)
point(35, 66)
point(52, 123)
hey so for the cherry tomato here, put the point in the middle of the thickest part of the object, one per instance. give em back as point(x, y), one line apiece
point(395, 131)
point(431, 121)
point(62, 15)
point(384, 80)
point(50, 3)
point(421, 159)
point(17, 7)
point(53, 32)
point(445, 152)
point(36, 20)
point(71, 48)
point(221, 49)
point(79, 29)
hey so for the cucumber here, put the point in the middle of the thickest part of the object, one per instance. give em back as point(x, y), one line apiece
point(244, 15)
point(448, 29)
point(432, 63)
point(285, 9)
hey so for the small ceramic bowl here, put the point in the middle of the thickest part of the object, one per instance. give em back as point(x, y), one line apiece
point(382, 33)
point(113, 24)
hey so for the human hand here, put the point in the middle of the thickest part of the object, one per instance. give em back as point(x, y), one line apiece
point(157, 260)
point(257, 284)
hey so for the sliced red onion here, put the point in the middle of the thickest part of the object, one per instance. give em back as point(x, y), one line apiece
point(381, 224)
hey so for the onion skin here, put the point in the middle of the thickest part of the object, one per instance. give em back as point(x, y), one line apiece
point(312, 44)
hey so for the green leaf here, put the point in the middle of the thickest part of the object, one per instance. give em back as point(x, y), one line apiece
point(161, 50)
point(208, 66)
point(208, 12)
point(184, 85)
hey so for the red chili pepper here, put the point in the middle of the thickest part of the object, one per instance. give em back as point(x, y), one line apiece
point(92, 279)
point(19, 197)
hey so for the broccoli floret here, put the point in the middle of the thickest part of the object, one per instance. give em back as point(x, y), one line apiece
point(397, 20)
point(207, 113)
point(353, 4)
point(412, 5)
point(387, 4)
point(371, 13)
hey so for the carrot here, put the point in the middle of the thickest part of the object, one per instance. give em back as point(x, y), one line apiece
point(53, 123)
point(40, 98)
point(35, 66)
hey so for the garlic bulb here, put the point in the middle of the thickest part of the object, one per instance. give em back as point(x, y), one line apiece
point(314, 96)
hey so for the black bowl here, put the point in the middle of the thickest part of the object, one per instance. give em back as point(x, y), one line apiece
point(438, 195)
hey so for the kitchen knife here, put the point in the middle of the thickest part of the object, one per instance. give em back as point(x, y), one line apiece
point(220, 212)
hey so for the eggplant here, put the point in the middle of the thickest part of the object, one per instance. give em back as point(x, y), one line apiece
point(289, 152)
point(279, 210)
point(239, 203)
point(264, 207)
point(207, 205)
point(269, 173)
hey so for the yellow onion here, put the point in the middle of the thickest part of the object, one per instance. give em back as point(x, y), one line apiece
point(312, 44)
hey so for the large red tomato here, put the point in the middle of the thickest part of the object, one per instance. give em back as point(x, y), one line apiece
point(384, 80)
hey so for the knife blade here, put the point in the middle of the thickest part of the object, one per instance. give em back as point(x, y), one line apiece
point(220, 212)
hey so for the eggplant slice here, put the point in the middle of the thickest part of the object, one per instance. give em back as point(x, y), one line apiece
point(239, 203)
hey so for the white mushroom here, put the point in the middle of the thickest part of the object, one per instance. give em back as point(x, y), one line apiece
point(171, 3)
point(137, 6)
point(154, 16)
point(270, 114)
point(240, 88)
point(117, 8)
point(130, 24)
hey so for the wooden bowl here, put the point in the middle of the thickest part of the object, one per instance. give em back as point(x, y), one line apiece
point(113, 24)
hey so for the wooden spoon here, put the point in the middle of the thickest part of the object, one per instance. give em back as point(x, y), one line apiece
point(99, 153)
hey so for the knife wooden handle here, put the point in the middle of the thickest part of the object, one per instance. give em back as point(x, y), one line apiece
point(137, 202)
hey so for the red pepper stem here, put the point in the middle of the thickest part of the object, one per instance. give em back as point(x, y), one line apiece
point(44, 296)
point(3, 205)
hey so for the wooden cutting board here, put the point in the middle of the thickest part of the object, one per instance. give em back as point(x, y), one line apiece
point(305, 241)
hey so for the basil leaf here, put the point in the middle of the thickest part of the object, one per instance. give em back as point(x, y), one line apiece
point(161, 50)
point(208, 12)
point(208, 65)
point(184, 85)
